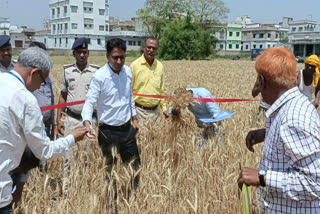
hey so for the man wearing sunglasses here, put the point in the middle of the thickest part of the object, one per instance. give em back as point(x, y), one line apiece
point(148, 78)
point(6, 62)
point(111, 90)
point(75, 82)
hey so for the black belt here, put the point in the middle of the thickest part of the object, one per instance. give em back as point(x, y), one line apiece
point(77, 116)
point(123, 127)
point(147, 108)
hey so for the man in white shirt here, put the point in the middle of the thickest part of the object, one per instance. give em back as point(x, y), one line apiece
point(21, 119)
point(289, 169)
point(111, 88)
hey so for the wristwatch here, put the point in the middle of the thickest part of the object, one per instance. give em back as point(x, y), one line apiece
point(262, 173)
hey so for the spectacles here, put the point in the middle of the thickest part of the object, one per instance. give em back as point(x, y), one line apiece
point(151, 47)
point(118, 57)
point(43, 80)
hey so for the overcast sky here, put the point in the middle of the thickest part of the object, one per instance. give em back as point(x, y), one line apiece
point(32, 12)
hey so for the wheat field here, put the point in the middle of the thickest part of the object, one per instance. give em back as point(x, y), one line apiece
point(176, 176)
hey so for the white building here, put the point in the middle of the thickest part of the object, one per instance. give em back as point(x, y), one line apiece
point(4, 26)
point(72, 19)
point(304, 37)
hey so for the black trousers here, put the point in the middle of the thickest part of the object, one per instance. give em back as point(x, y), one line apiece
point(6, 210)
point(123, 138)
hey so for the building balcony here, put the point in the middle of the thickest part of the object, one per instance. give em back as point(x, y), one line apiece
point(128, 33)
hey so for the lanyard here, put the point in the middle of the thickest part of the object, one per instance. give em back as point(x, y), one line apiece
point(16, 77)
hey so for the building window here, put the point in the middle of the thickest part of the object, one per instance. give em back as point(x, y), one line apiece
point(107, 27)
point(221, 46)
point(237, 46)
point(87, 9)
point(101, 12)
point(139, 43)
point(101, 28)
point(99, 41)
point(294, 29)
point(58, 12)
point(254, 35)
point(130, 43)
point(65, 10)
point(230, 46)
point(66, 26)
point(237, 34)
point(89, 41)
point(60, 41)
point(261, 35)
point(74, 9)
point(88, 26)
point(300, 28)
point(260, 46)
point(230, 33)
point(254, 46)
point(277, 35)
point(245, 33)
point(45, 41)
point(53, 13)
point(269, 35)
point(74, 26)
point(268, 46)
point(66, 40)
point(247, 47)
point(55, 40)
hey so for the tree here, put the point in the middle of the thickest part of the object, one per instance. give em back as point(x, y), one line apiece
point(183, 39)
point(157, 13)
point(208, 11)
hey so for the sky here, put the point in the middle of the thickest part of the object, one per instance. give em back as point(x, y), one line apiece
point(31, 13)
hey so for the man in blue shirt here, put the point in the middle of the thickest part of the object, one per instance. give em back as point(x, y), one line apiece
point(203, 109)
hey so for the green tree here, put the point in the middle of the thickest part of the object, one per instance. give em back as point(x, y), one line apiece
point(157, 13)
point(184, 39)
point(208, 11)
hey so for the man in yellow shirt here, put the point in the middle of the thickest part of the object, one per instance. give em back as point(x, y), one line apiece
point(148, 78)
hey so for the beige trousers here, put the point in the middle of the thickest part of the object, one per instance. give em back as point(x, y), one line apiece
point(146, 116)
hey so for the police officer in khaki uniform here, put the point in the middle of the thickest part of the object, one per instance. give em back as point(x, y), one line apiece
point(75, 82)
point(6, 64)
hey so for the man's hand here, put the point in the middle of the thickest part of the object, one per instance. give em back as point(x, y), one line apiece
point(135, 125)
point(16, 196)
point(254, 137)
point(248, 176)
point(166, 115)
point(79, 133)
point(91, 132)
point(60, 127)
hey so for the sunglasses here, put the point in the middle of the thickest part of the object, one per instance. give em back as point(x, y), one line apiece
point(118, 57)
point(43, 80)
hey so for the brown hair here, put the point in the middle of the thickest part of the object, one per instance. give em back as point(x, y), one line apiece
point(277, 65)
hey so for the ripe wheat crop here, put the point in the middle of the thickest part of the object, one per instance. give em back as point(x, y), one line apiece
point(177, 176)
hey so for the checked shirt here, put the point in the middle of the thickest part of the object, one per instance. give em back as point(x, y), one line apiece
point(291, 156)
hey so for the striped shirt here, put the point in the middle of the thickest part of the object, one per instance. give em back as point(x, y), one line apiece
point(291, 156)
